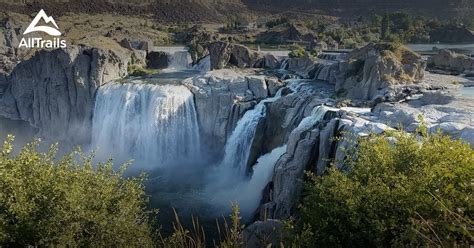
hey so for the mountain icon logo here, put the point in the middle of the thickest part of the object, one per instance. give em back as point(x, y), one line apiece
point(47, 19)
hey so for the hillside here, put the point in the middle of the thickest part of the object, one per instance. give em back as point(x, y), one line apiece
point(219, 10)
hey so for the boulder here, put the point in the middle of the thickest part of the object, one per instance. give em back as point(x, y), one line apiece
point(126, 43)
point(157, 60)
point(301, 66)
point(373, 72)
point(54, 90)
point(451, 61)
point(219, 53)
point(243, 57)
point(270, 61)
point(263, 234)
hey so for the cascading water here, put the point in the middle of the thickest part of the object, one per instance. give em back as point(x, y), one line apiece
point(179, 59)
point(237, 149)
point(156, 125)
point(316, 116)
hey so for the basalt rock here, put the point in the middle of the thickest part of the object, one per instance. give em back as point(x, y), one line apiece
point(54, 91)
point(157, 60)
point(224, 54)
point(223, 96)
point(371, 73)
point(451, 61)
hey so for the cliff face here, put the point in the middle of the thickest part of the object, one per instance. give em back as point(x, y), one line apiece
point(54, 91)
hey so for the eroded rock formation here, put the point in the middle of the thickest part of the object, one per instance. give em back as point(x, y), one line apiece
point(222, 97)
point(451, 61)
point(54, 91)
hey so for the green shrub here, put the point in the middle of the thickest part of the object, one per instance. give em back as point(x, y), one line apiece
point(297, 52)
point(45, 201)
point(405, 191)
point(138, 71)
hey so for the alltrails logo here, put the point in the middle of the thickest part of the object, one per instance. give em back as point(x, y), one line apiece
point(40, 42)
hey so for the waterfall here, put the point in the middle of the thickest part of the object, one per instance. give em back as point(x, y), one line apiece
point(246, 192)
point(149, 123)
point(179, 59)
point(317, 114)
point(284, 64)
point(237, 149)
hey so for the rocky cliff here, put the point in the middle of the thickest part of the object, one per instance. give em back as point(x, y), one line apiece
point(54, 91)
point(221, 98)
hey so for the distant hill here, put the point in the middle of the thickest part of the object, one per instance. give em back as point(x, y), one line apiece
point(439, 8)
point(219, 10)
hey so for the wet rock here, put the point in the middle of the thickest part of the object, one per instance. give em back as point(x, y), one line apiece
point(157, 60)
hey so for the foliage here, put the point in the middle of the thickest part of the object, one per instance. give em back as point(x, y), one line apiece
point(399, 190)
point(138, 71)
point(297, 52)
point(276, 22)
point(229, 235)
point(46, 201)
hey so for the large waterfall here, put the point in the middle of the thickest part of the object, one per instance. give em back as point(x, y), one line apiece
point(156, 125)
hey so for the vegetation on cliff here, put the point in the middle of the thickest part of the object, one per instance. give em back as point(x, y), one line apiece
point(400, 190)
point(396, 189)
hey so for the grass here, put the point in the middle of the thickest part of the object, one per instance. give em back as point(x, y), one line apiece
point(138, 71)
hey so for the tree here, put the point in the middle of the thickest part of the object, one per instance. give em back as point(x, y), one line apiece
point(385, 29)
point(399, 190)
point(45, 201)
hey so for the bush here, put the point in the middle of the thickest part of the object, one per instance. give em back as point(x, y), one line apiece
point(138, 71)
point(297, 52)
point(46, 201)
point(400, 190)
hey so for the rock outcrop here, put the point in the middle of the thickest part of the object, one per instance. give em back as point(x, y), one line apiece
point(157, 60)
point(9, 42)
point(54, 91)
point(451, 61)
point(313, 146)
point(263, 234)
point(225, 54)
point(221, 98)
point(374, 72)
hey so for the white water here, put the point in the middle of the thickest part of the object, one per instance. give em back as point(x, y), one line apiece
point(237, 149)
point(179, 59)
point(245, 192)
point(317, 115)
point(156, 125)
